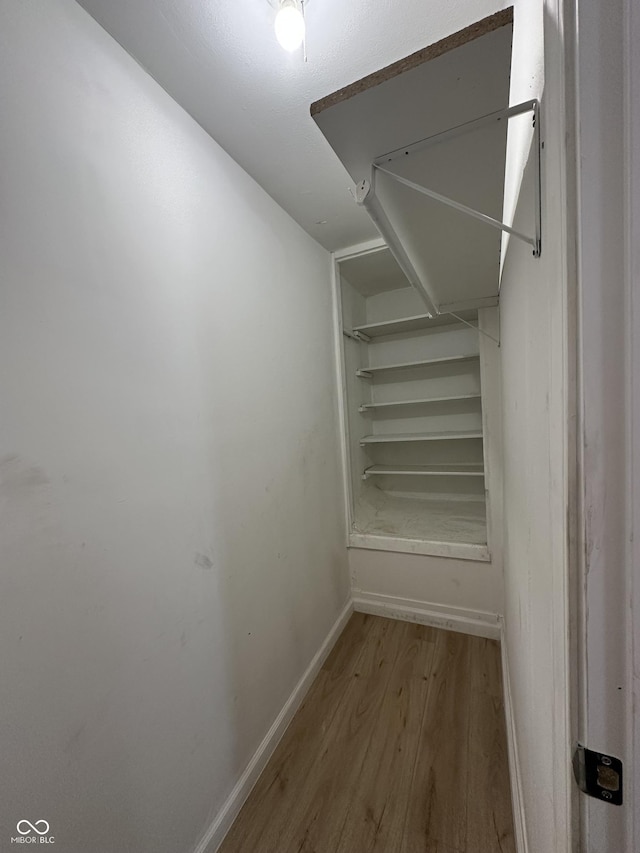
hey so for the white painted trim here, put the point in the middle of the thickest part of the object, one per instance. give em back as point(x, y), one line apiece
point(360, 249)
point(340, 373)
point(632, 281)
point(515, 775)
point(456, 550)
point(215, 833)
point(602, 581)
point(365, 248)
point(631, 70)
point(491, 390)
point(475, 622)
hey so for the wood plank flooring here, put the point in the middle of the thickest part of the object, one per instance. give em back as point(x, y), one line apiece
point(399, 747)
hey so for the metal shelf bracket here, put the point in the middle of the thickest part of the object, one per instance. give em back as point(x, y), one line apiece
point(366, 197)
point(356, 336)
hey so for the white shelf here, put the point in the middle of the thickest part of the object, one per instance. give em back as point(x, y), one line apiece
point(413, 324)
point(453, 260)
point(446, 435)
point(367, 406)
point(451, 470)
point(429, 547)
point(366, 372)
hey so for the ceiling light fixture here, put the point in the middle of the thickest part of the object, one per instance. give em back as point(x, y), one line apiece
point(289, 24)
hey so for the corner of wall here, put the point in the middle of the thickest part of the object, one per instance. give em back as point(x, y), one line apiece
point(515, 776)
point(215, 833)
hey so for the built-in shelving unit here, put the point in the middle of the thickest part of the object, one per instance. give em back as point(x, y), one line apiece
point(413, 405)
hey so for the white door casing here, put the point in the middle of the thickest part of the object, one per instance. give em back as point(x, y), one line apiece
point(608, 164)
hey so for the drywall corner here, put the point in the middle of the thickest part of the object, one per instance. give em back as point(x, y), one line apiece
point(215, 833)
point(515, 776)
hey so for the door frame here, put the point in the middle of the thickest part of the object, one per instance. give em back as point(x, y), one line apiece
point(607, 590)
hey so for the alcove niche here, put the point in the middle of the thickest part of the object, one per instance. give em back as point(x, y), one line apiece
point(414, 413)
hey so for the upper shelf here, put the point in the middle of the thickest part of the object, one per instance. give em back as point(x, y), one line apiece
point(413, 324)
point(375, 125)
point(443, 435)
point(366, 372)
point(427, 401)
point(459, 469)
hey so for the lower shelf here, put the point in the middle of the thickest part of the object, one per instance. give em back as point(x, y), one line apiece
point(443, 435)
point(452, 550)
point(449, 470)
point(461, 520)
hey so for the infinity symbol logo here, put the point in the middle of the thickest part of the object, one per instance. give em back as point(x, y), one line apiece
point(33, 827)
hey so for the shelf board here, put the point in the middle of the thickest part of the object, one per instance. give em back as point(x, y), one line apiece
point(404, 544)
point(413, 324)
point(454, 259)
point(365, 372)
point(446, 435)
point(395, 403)
point(468, 469)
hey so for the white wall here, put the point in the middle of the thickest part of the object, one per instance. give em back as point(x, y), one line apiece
point(536, 392)
point(460, 589)
point(172, 541)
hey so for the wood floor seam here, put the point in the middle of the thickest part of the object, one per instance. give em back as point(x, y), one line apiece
point(417, 755)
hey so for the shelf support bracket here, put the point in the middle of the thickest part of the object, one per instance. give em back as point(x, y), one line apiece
point(360, 336)
point(356, 336)
point(365, 194)
point(456, 205)
point(533, 107)
point(475, 328)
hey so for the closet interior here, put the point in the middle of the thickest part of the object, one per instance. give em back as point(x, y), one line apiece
point(413, 402)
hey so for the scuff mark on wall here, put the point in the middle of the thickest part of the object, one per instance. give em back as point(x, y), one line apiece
point(203, 561)
point(15, 475)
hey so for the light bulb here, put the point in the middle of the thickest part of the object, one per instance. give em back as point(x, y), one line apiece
point(289, 25)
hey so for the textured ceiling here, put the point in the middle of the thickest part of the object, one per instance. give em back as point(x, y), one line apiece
point(220, 60)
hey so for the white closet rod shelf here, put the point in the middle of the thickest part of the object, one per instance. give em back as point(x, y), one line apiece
point(451, 470)
point(367, 372)
point(365, 407)
point(415, 323)
point(447, 435)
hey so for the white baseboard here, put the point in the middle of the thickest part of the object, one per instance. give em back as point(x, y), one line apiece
point(221, 824)
point(515, 776)
point(475, 622)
